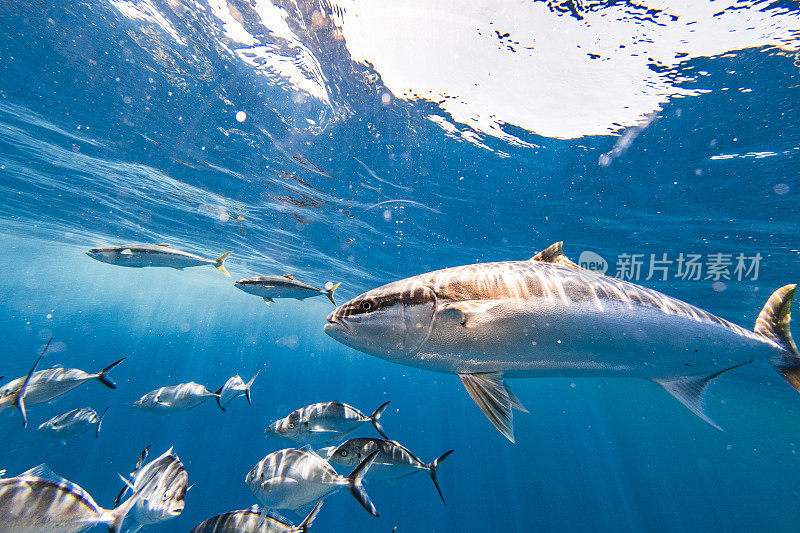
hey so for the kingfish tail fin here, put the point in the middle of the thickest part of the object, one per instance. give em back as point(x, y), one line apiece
point(309, 519)
point(773, 323)
point(689, 391)
point(217, 396)
point(375, 419)
point(19, 400)
point(103, 378)
point(219, 262)
point(247, 388)
point(100, 423)
point(329, 293)
point(433, 467)
point(119, 513)
point(355, 486)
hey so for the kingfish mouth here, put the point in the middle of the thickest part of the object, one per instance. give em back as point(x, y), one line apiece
point(334, 324)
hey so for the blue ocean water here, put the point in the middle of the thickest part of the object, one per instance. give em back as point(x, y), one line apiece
point(364, 142)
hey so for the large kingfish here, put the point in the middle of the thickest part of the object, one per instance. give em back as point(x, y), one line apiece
point(549, 317)
point(154, 255)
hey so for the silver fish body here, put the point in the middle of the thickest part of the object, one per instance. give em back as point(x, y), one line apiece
point(181, 397)
point(394, 461)
point(46, 385)
point(324, 422)
point(270, 287)
point(163, 483)
point(293, 479)
point(154, 255)
point(253, 521)
point(233, 388)
point(73, 424)
point(31, 504)
point(549, 317)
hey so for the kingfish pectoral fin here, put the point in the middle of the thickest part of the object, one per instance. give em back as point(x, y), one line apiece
point(689, 391)
point(354, 483)
point(493, 397)
point(275, 482)
point(322, 431)
point(554, 254)
point(119, 513)
point(219, 263)
point(773, 323)
point(100, 423)
point(309, 519)
point(466, 312)
point(19, 400)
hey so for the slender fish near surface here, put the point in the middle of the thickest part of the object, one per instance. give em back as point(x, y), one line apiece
point(45, 385)
point(254, 521)
point(324, 422)
point(270, 287)
point(549, 317)
point(181, 397)
point(394, 461)
point(293, 479)
point(38, 501)
point(162, 484)
point(73, 424)
point(234, 387)
point(154, 255)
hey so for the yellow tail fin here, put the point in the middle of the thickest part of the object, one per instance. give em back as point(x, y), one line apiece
point(329, 293)
point(219, 262)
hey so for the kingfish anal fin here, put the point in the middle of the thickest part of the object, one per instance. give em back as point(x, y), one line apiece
point(492, 396)
point(773, 323)
point(554, 254)
point(127, 251)
point(689, 391)
point(466, 312)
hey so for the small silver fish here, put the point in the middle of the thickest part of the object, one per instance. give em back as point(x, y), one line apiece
point(269, 287)
point(162, 484)
point(45, 385)
point(44, 503)
point(394, 461)
point(254, 521)
point(180, 397)
point(324, 422)
point(234, 387)
point(73, 424)
point(293, 479)
point(154, 255)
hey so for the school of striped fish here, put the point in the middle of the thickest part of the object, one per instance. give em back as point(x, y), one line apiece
point(546, 316)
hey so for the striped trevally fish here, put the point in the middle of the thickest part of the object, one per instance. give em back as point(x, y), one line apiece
point(154, 255)
point(549, 317)
point(254, 521)
point(234, 387)
point(73, 424)
point(269, 287)
point(324, 422)
point(162, 485)
point(45, 385)
point(38, 501)
point(293, 479)
point(181, 397)
point(394, 461)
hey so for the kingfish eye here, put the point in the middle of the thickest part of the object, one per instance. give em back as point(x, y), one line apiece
point(291, 426)
point(344, 453)
point(366, 305)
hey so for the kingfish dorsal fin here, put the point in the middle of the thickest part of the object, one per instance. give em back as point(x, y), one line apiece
point(465, 311)
point(288, 276)
point(689, 391)
point(127, 251)
point(43, 471)
point(554, 254)
point(492, 396)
